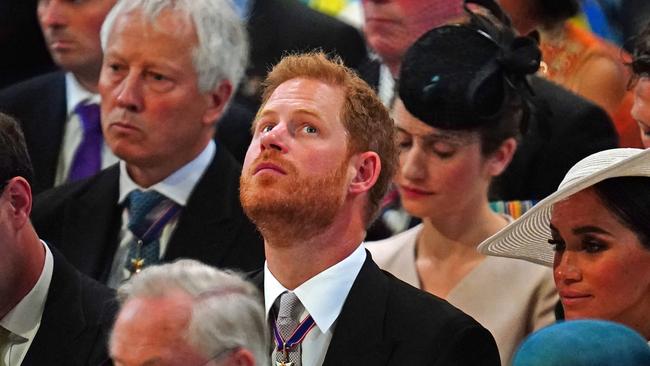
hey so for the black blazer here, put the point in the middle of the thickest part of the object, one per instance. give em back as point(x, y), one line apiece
point(276, 27)
point(563, 129)
point(77, 320)
point(83, 220)
point(385, 321)
point(41, 107)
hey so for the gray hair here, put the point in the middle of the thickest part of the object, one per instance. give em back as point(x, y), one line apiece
point(222, 49)
point(227, 311)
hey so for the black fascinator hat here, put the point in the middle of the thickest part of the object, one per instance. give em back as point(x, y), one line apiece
point(466, 76)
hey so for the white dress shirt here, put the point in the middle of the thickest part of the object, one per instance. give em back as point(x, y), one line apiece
point(24, 319)
point(323, 297)
point(178, 187)
point(73, 130)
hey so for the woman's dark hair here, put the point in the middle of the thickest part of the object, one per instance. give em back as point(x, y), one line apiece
point(555, 11)
point(628, 198)
point(14, 160)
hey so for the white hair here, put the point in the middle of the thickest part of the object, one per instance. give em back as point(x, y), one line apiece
point(227, 311)
point(222, 49)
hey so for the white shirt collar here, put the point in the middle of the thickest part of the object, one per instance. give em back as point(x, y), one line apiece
point(25, 318)
point(179, 185)
point(75, 93)
point(322, 295)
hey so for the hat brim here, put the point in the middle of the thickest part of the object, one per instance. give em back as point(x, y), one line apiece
point(527, 237)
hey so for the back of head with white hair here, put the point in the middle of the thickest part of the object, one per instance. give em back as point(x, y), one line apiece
point(227, 311)
point(222, 49)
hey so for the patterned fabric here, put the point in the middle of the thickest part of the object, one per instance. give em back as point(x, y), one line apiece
point(88, 158)
point(149, 212)
point(287, 322)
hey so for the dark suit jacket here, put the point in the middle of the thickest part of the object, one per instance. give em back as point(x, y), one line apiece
point(276, 27)
point(563, 129)
point(83, 220)
point(40, 105)
point(77, 319)
point(385, 321)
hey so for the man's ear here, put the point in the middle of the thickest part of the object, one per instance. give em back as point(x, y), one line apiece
point(367, 167)
point(18, 194)
point(241, 357)
point(499, 160)
point(217, 100)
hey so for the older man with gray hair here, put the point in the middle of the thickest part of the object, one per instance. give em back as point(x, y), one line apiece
point(188, 313)
point(170, 68)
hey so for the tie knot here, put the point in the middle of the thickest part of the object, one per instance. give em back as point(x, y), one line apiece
point(290, 306)
point(89, 116)
point(145, 208)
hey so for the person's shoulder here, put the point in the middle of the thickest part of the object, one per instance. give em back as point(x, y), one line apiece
point(54, 198)
point(453, 337)
point(27, 87)
point(384, 250)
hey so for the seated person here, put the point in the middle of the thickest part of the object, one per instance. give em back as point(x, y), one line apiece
point(451, 147)
point(187, 313)
point(50, 314)
point(594, 232)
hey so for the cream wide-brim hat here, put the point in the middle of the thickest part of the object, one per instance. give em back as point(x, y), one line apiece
point(527, 237)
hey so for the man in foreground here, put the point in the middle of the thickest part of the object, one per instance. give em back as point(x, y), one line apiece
point(187, 313)
point(50, 314)
point(321, 159)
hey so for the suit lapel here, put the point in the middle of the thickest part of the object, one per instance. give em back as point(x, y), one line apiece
point(206, 228)
point(46, 135)
point(92, 226)
point(358, 337)
point(62, 322)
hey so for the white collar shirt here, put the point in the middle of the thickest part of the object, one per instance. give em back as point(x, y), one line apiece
point(73, 130)
point(323, 297)
point(24, 320)
point(178, 187)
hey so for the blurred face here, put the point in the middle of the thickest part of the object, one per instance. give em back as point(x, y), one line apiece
point(296, 167)
point(392, 26)
point(522, 13)
point(153, 114)
point(641, 109)
point(441, 172)
point(601, 270)
point(71, 31)
point(151, 331)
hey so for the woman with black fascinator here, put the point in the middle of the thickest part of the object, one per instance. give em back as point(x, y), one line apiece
point(463, 100)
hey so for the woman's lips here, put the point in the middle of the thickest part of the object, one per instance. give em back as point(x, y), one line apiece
point(570, 298)
point(413, 192)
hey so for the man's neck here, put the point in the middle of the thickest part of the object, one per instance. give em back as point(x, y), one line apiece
point(294, 260)
point(27, 271)
point(147, 174)
point(88, 80)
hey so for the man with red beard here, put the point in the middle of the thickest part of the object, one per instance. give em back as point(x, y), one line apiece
point(321, 159)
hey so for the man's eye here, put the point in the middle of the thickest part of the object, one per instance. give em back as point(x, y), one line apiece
point(266, 128)
point(310, 129)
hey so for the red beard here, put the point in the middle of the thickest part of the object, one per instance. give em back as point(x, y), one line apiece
point(291, 206)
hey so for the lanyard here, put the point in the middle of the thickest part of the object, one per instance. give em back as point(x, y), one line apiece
point(296, 338)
